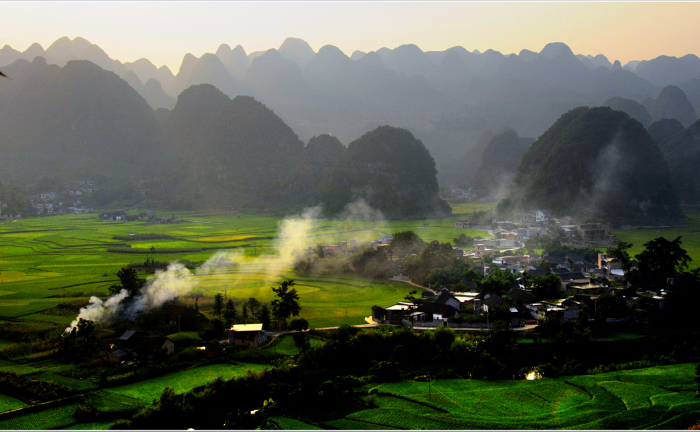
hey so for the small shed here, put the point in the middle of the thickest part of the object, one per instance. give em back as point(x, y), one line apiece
point(119, 356)
point(245, 334)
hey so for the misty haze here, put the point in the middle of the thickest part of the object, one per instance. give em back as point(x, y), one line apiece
point(312, 236)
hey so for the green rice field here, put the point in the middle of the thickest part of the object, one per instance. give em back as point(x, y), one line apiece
point(285, 345)
point(690, 237)
point(653, 398)
point(51, 260)
point(183, 381)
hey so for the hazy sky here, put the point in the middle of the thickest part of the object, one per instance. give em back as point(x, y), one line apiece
point(164, 31)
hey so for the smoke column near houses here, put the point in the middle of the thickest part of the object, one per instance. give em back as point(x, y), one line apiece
point(295, 236)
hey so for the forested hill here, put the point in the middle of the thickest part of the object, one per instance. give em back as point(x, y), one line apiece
point(599, 163)
point(499, 162)
point(391, 170)
point(80, 121)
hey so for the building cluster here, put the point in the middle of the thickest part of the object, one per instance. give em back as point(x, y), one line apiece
point(347, 248)
point(122, 216)
point(507, 236)
point(582, 279)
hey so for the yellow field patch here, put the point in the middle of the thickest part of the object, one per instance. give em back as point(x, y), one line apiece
point(224, 238)
point(12, 276)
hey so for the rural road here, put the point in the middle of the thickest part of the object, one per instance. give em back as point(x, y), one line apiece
point(371, 323)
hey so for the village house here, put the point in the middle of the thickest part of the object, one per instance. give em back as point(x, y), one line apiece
point(464, 223)
point(593, 232)
point(247, 335)
point(112, 216)
point(119, 356)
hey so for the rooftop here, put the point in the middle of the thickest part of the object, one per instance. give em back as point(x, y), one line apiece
point(246, 327)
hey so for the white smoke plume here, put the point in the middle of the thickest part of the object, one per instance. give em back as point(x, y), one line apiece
point(162, 287)
point(98, 310)
point(296, 234)
point(165, 286)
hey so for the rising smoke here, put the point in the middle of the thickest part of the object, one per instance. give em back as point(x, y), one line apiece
point(295, 236)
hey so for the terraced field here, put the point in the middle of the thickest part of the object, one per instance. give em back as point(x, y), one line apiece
point(48, 261)
point(182, 381)
point(653, 398)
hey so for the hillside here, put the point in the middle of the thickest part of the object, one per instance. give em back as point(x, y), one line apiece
point(599, 163)
point(391, 170)
point(448, 99)
point(77, 120)
point(234, 151)
point(682, 153)
point(499, 162)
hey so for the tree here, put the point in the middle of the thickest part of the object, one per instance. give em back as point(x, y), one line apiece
point(661, 259)
point(264, 317)
point(319, 251)
point(406, 242)
point(80, 342)
point(370, 262)
point(253, 305)
point(497, 282)
point(301, 341)
point(545, 286)
point(218, 304)
point(611, 305)
point(298, 324)
point(287, 302)
point(416, 302)
point(545, 265)
point(244, 313)
point(129, 281)
point(619, 252)
point(230, 313)
point(463, 241)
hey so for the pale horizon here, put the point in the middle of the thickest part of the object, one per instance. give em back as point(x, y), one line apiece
point(164, 32)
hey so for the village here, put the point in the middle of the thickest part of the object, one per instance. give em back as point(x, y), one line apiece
point(583, 279)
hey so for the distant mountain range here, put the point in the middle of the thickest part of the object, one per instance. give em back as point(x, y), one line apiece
point(448, 99)
point(71, 102)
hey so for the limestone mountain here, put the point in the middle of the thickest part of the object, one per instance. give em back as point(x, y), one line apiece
point(499, 161)
point(323, 153)
point(692, 90)
point(391, 170)
point(209, 69)
point(631, 107)
point(235, 60)
point(272, 77)
point(668, 70)
point(673, 103)
point(235, 151)
point(589, 163)
point(296, 50)
point(155, 95)
point(78, 120)
point(682, 152)
point(662, 131)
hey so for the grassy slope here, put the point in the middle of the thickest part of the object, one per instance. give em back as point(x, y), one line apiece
point(183, 381)
point(644, 398)
point(285, 345)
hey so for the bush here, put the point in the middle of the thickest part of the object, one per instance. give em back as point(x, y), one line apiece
point(85, 413)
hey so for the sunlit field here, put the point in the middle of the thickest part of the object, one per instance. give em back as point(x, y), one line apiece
point(50, 260)
point(652, 398)
point(690, 237)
